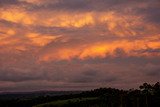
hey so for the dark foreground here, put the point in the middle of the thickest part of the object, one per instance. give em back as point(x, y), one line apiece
point(147, 96)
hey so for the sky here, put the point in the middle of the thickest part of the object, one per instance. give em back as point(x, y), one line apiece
point(78, 44)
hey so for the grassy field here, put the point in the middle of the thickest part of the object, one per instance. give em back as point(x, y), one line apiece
point(68, 102)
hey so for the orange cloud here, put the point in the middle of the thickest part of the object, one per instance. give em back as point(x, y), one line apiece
point(114, 23)
point(101, 49)
point(117, 24)
point(39, 2)
point(40, 40)
point(17, 15)
point(69, 19)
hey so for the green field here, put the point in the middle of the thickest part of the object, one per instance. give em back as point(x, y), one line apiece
point(68, 102)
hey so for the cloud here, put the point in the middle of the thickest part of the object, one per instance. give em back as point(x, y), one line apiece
point(87, 5)
point(150, 12)
point(77, 44)
point(14, 76)
point(8, 2)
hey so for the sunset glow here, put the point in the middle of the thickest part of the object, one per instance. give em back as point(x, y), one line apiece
point(60, 42)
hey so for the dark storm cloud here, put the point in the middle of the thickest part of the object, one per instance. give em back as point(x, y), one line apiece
point(151, 13)
point(149, 50)
point(86, 5)
point(6, 23)
point(150, 70)
point(93, 76)
point(14, 76)
point(153, 71)
point(122, 60)
point(18, 3)
point(85, 77)
point(72, 4)
point(8, 2)
point(112, 71)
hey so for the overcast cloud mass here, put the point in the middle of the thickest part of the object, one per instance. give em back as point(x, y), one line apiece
point(78, 44)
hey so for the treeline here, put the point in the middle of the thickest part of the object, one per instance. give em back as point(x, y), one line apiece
point(146, 96)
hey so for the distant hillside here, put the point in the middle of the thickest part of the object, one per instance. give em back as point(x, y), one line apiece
point(147, 96)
